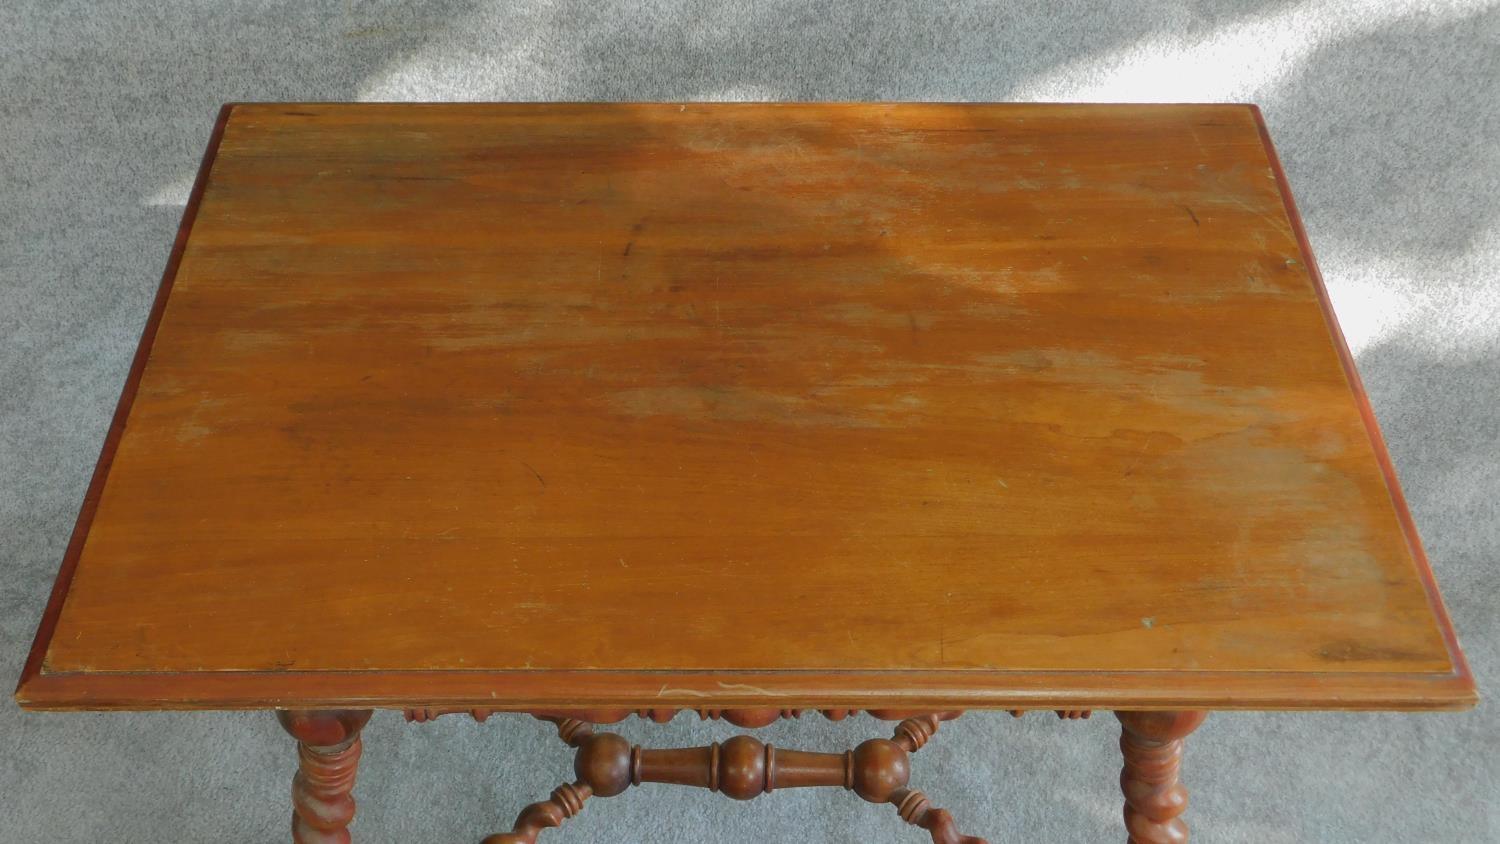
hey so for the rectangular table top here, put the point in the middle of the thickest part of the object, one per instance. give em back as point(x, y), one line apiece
point(744, 405)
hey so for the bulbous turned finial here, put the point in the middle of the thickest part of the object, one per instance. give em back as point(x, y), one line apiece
point(603, 761)
point(880, 767)
point(742, 768)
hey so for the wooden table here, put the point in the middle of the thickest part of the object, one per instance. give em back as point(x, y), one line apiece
point(589, 409)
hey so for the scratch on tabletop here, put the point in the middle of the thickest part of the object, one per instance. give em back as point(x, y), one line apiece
point(667, 690)
point(743, 688)
point(539, 479)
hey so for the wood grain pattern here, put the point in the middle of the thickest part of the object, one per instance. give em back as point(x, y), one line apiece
point(768, 406)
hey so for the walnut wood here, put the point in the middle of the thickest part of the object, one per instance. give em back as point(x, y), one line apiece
point(328, 750)
point(951, 347)
point(1152, 746)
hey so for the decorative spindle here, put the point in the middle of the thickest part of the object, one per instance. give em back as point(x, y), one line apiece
point(741, 768)
point(917, 810)
point(1152, 746)
point(566, 802)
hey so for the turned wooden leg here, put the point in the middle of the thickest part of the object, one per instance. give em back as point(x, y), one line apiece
point(328, 750)
point(1152, 744)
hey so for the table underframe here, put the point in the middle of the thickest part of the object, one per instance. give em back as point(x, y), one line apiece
point(605, 765)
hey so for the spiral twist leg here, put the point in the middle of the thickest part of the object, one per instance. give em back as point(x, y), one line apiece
point(328, 750)
point(1152, 745)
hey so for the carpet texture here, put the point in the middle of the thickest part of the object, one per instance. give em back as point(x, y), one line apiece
point(1387, 119)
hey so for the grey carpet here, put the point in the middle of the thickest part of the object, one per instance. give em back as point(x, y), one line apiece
point(1386, 115)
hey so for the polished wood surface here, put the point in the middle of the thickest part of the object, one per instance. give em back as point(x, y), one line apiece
point(923, 406)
